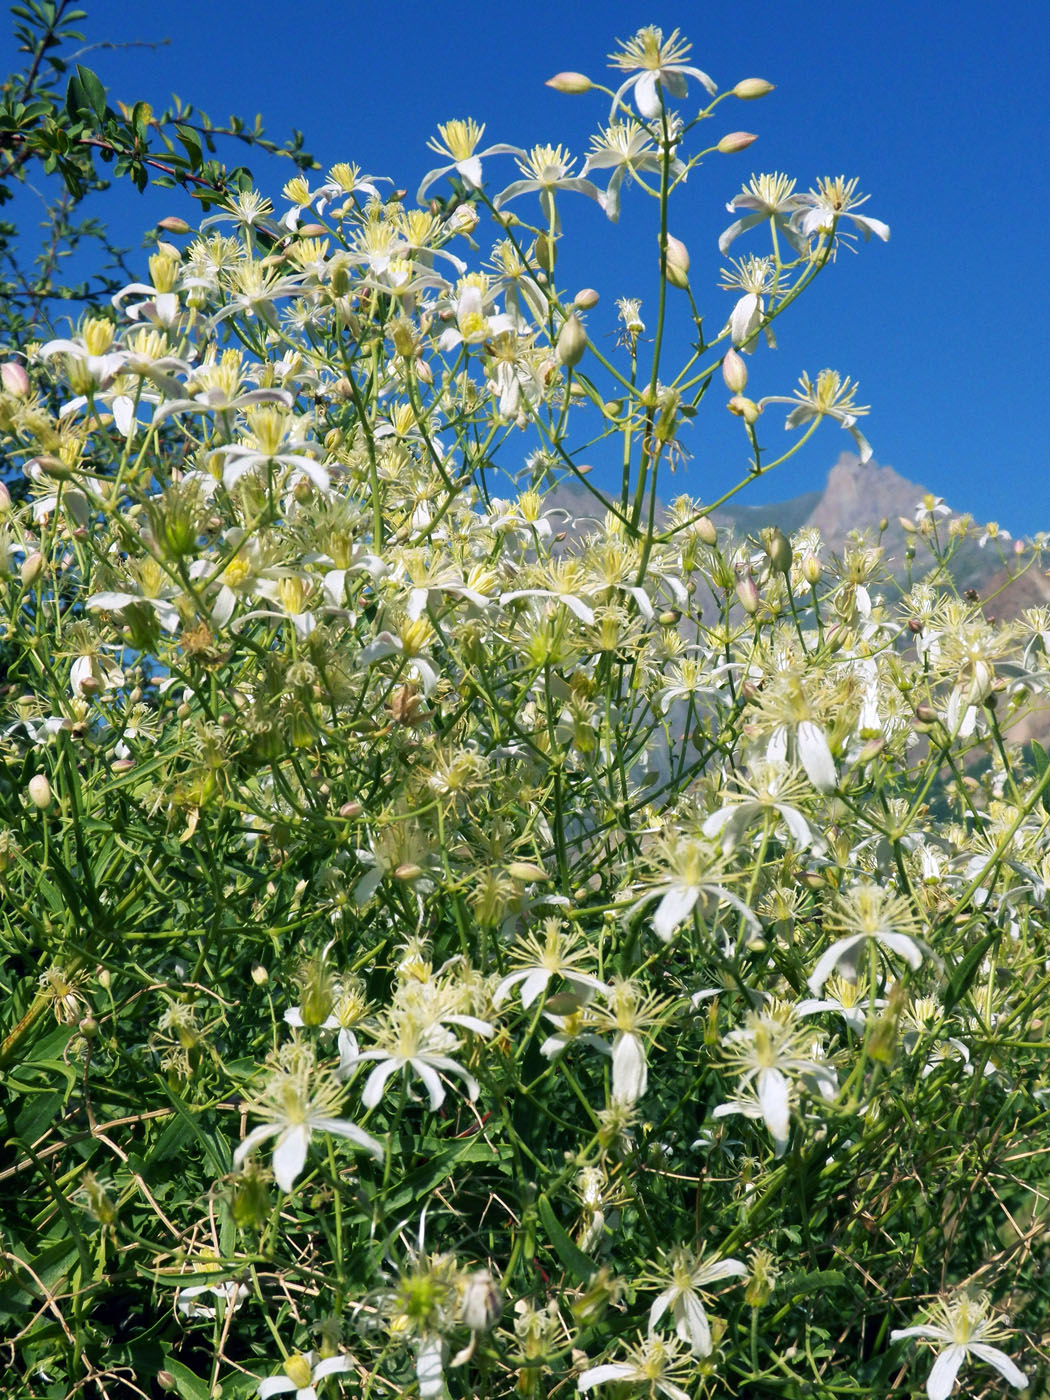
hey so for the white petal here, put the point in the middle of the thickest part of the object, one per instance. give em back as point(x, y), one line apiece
point(941, 1381)
point(676, 905)
point(773, 1098)
point(252, 1141)
point(1001, 1362)
point(274, 1385)
point(342, 1127)
point(629, 1069)
point(692, 1324)
point(598, 1375)
point(815, 756)
point(289, 1155)
point(828, 961)
point(376, 1083)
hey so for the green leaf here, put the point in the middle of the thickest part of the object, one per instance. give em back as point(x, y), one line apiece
point(966, 969)
point(188, 1385)
point(85, 94)
point(572, 1257)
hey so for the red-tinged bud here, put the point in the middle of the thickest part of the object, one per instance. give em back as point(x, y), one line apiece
point(166, 1380)
point(586, 298)
point(735, 141)
point(311, 230)
point(570, 82)
point(677, 262)
point(349, 810)
point(747, 593)
point(744, 408)
point(39, 790)
point(5, 499)
point(750, 88)
point(32, 568)
point(14, 379)
point(408, 871)
point(173, 224)
point(914, 625)
point(572, 342)
point(526, 870)
point(734, 372)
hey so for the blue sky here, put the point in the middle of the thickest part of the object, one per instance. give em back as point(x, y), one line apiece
point(942, 111)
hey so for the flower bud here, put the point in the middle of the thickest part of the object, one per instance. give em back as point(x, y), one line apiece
point(166, 1380)
point(572, 342)
point(676, 256)
point(311, 230)
point(706, 532)
point(526, 870)
point(5, 499)
point(545, 251)
point(14, 378)
point(171, 223)
point(32, 568)
point(744, 408)
point(750, 88)
point(735, 141)
point(570, 82)
point(747, 593)
point(734, 372)
point(778, 551)
point(39, 790)
point(259, 975)
point(349, 810)
point(586, 298)
point(812, 569)
point(408, 871)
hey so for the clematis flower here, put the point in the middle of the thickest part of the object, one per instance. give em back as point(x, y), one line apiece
point(628, 150)
point(830, 397)
point(689, 1275)
point(299, 1100)
point(769, 197)
point(962, 1329)
point(653, 1363)
point(303, 1374)
point(868, 912)
point(832, 201)
point(459, 141)
point(656, 64)
point(546, 169)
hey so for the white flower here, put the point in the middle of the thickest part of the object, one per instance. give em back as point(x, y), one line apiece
point(655, 64)
point(651, 1363)
point(830, 397)
point(832, 201)
point(303, 1374)
point(459, 141)
point(299, 1101)
point(556, 956)
point(546, 169)
point(868, 912)
point(626, 148)
point(963, 1328)
point(768, 197)
point(688, 883)
point(406, 1041)
point(689, 1274)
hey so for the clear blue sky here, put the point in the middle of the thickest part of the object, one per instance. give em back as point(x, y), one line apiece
point(941, 109)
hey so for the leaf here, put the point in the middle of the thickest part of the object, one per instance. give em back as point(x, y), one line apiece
point(966, 969)
point(188, 1385)
point(800, 1285)
point(572, 1257)
point(86, 94)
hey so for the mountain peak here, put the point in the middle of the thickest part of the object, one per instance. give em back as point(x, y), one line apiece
point(859, 495)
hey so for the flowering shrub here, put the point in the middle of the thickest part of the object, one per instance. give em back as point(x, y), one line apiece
point(460, 943)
